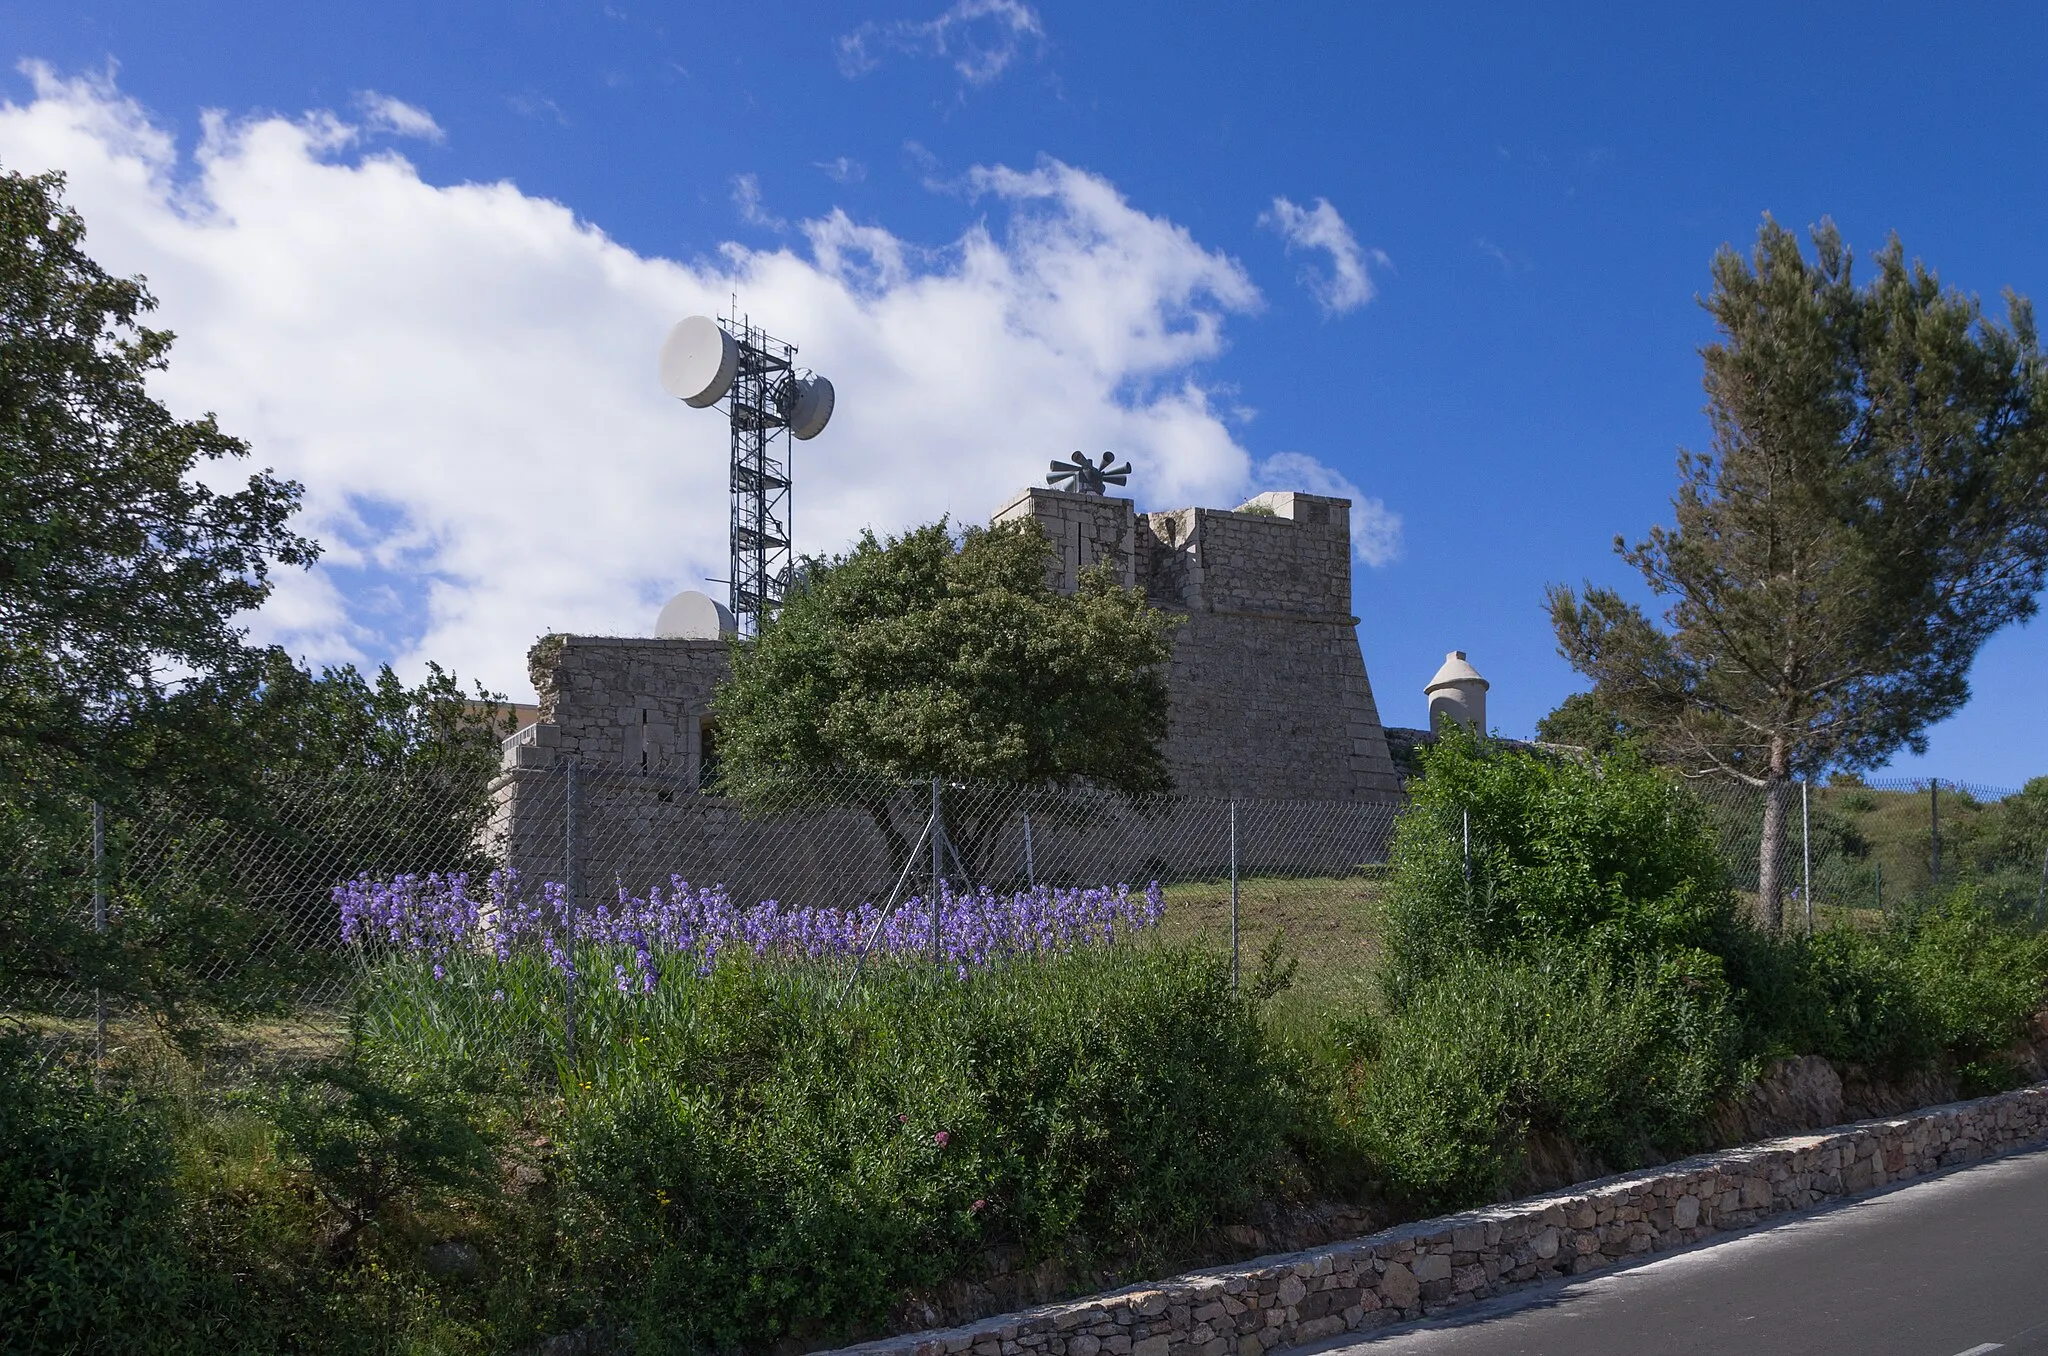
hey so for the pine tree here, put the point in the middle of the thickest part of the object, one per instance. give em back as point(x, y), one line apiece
point(1873, 508)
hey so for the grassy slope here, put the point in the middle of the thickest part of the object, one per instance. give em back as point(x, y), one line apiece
point(1327, 924)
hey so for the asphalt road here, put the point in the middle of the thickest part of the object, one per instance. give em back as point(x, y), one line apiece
point(1954, 1266)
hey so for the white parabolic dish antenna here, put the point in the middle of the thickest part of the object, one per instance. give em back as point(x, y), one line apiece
point(811, 408)
point(699, 361)
point(691, 615)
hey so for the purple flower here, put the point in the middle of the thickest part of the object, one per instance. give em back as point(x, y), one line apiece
point(436, 918)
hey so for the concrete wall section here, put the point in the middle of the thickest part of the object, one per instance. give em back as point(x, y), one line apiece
point(1085, 530)
point(1270, 694)
point(625, 701)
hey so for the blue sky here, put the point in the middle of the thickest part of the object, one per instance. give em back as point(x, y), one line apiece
point(1501, 351)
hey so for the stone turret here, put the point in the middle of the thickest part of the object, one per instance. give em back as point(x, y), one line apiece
point(1459, 692)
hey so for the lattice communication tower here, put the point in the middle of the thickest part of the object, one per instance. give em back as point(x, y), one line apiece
point(768, 401)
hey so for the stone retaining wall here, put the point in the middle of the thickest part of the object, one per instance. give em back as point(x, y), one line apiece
point(1435, 1265)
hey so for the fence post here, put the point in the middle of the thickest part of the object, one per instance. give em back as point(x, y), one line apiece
point(1934, 818)
point(1468, 859)
point(1233, 896)
point(2041, 893)
point(1880, 882)
point(99, 925)
point(570, 885)
point(1030, 871)
point(938, 861)
point(1806, 854)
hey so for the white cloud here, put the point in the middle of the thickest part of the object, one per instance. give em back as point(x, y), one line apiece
point(842, 170)
point(746, 195)
point(1347, 285)
point(980, 37)
point(463, 377)
point(1375, 528)
point(382, 113)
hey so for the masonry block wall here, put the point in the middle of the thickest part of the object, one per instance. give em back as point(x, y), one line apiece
point(1269, 694)
point(1269, 702)
point(634, 719)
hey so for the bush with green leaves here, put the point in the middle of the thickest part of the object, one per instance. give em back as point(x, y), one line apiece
point(745, 1156)
point(1607, 866)
point(91, 1257)
point(1954, 979)
point(1606, 858)
point(375, 1135)
point(1435, 1102)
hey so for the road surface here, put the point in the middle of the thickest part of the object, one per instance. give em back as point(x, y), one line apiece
point(1953, 1266)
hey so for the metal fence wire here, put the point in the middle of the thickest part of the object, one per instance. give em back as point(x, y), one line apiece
point(1856, 845)
point(589, 836)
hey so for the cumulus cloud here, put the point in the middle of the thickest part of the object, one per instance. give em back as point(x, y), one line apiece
point(1375, 528)
point(1346, 284)
point(383, 113)
point(980, 37)
point(463, 377)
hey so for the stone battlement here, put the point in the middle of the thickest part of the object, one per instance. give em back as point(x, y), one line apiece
point(1270, 698)
point(1269, 694)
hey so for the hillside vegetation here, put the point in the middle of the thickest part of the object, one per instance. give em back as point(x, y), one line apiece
point(747, 1146)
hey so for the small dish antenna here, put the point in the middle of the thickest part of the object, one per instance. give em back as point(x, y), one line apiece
point(806, 405)
point(699, 361)
point(691, 615)
point(1083, 476)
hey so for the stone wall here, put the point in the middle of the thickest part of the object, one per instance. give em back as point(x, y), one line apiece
point(1268, 689)
point(1436, 1265)
point(632, 716)
point(1269, 701)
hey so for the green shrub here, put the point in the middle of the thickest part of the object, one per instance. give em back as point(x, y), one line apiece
point(375, 1136)
point(763, 1161)
point(90, 1253)
point(1955, 979)
point(1438, 1099)
point(1608, 859)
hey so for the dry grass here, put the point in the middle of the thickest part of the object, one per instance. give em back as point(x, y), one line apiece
point(1329, 925)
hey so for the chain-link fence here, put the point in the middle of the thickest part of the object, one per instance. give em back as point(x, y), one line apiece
point(248, 915)
point(1856, 846)
point(258, 909)
point(229, 913)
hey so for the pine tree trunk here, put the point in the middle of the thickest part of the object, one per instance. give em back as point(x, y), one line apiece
point(1770, 879)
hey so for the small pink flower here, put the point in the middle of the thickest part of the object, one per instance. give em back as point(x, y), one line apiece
point(941, 1138)
point(977, 1205)
point(903, 1118)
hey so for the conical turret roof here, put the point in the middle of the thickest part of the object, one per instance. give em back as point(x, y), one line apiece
point(1456, 672)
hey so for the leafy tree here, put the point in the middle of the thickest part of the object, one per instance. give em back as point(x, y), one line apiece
point(126, 563)
point(1581, 721)
point(121, 574)
point(921, 657)
point(1874, 506)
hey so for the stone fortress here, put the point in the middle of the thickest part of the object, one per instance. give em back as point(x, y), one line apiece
point(1268, 691)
